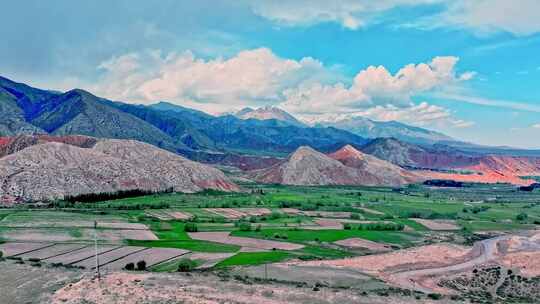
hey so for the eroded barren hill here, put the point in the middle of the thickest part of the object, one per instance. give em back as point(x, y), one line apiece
point(51, 169)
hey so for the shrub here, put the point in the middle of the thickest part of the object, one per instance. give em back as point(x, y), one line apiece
point(141, 265)
point(347, 226)
point(244, 226)
point(382, 227)
point(186, 265)
point(1, 254)
point(355, 216)
point(435, 296)
point(190, 227)
point(129, 266)
point(275, 215)
point(522, 216)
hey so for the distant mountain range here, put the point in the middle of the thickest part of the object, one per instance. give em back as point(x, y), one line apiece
point(27, 110)
point(250, 139)
point(388, 129)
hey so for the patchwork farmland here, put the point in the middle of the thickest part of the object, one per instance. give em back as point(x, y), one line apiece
point(375, 235)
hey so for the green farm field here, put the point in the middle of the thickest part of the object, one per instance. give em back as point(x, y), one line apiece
point(287, 214)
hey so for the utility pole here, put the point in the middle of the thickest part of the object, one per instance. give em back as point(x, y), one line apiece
point(96, 250)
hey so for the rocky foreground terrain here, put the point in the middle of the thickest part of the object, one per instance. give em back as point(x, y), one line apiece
point(44, 169)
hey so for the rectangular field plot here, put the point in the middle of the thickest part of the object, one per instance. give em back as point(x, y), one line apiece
point(166, 215)
point(255, 211)
point(16, 248)
point(51, 251)
point(110, 256)
point(75, 234)
point(79, 255)
point(228, 213)
point(57, 219)
point(225, 238)
point(151, 256)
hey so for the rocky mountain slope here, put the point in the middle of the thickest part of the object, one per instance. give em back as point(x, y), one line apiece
point(345, 167)
point(51, 169)
point(418, 157)
point(368, 128)
point(374, 171)
point(442, 162)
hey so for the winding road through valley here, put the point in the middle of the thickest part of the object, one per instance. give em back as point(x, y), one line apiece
point(488, 253)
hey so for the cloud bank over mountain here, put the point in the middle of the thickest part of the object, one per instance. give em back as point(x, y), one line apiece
point(258, 77)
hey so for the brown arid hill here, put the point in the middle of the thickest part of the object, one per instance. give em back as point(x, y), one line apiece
point(374, 171)
point(412, 156)
point(50, 170)
point(10, 145)
point(494, 169)
point(309, 167)
point(441, 163)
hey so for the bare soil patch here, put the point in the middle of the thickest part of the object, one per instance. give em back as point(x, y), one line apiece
point(109, 256)
point(180, 215)
point(16, 248)
point(159, 215)
point(408, 259)
point(326, 224)
point(79, 255)
point(228, 213)
point(51, 251)
point(364, 244)
point(438, 225)
point(131, 288)
point(76, 234)
point(255, 211)
point(225, 238)
point(151, 256)
point(38, 235)
point(527, 262)
point(123, 234)
point(290, 211)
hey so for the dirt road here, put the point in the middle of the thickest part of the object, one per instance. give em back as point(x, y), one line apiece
point(488, 253)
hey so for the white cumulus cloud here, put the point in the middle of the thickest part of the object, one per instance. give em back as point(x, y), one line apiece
point(375, 86)
point(259, 77)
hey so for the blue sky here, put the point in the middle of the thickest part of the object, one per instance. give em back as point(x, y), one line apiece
point(470, 69)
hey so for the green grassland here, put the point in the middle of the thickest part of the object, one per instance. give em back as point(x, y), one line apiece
point(475, 208)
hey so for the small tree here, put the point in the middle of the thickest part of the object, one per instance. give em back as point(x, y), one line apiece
point(141, 265)
point(522, 217)
point(186, 265)
point(130, 266)
point(190, 227)
point(244, 226)
point(1, 254)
